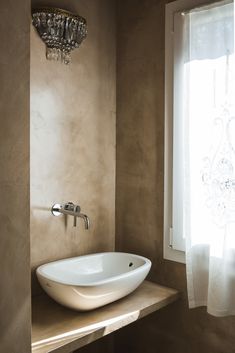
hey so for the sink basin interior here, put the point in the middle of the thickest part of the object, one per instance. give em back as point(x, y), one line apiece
point(91, 269)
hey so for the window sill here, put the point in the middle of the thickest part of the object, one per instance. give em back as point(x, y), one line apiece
point(174, 255)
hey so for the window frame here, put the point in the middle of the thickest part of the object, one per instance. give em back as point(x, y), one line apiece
point(169, 253)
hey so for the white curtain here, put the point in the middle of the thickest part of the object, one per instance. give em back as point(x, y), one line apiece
point(208, 155)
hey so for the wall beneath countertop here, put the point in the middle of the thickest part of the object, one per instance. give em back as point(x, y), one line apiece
point(139, 188)
point(15, 294)
point(72, 139)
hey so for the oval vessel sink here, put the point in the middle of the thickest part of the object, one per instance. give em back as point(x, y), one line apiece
point(90, 281)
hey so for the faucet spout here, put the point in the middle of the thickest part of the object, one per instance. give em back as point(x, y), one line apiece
point(86, 219)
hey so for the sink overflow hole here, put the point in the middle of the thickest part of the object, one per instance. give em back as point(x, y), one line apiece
point(130, 264)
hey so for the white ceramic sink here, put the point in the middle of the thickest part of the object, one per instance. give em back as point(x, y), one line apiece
point(87, 282)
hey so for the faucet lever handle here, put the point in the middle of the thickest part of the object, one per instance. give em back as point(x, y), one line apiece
point(69, 206)
point(76, 209)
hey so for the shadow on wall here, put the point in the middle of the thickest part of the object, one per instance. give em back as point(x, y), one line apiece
point(65, 5)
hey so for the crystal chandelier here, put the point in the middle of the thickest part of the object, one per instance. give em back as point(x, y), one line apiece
point(60, 30)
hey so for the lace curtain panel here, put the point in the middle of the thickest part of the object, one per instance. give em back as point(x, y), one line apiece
point(205, 88)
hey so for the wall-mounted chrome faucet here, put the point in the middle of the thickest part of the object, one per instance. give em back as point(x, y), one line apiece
point(72, 210)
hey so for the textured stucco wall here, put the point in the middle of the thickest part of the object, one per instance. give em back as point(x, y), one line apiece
point(139, 188)
point(15, 295)
point(73, 135)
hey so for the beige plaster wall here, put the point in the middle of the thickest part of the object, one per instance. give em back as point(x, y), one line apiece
point(15, 294)
point(139, 190)
point(73, 115)
point(102, 345)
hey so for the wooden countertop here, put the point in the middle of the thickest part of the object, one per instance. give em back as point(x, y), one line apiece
point(61, 330)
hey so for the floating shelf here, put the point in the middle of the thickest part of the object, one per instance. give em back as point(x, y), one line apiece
point(60, 330)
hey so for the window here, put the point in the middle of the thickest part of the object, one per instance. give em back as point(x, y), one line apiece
point(199, 85)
